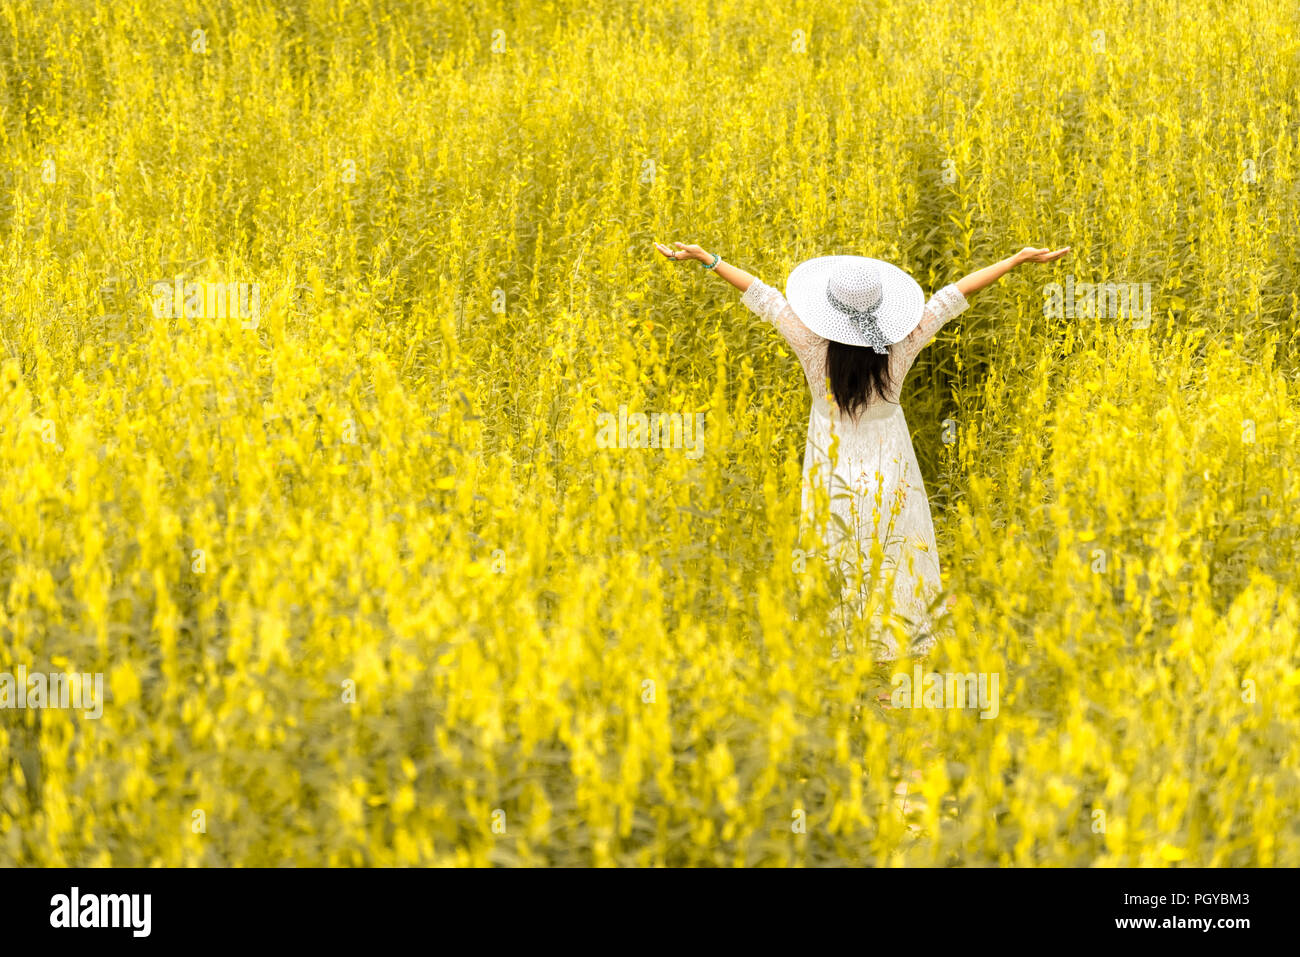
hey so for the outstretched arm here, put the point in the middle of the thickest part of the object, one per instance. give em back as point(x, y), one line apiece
point(764, 301)
point(734, 275)
point(991, 274)
point(950, 301)
point(967, 284)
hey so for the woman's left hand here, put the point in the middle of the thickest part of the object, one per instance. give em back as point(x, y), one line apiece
point(1032, 255)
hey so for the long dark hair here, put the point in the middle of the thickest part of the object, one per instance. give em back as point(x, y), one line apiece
point(858, 374)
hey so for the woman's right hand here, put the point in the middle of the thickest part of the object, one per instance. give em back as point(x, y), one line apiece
point(683, 252)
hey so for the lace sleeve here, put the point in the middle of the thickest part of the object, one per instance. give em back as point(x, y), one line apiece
point(945, 304)
point(772, 306)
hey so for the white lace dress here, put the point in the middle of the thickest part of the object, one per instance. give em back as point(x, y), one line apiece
point(878, 528)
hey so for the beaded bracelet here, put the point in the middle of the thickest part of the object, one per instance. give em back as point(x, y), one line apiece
point(716, 259)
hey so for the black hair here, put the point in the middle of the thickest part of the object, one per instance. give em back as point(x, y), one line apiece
point(858, 374)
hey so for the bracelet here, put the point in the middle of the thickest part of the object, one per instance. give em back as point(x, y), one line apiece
point(713, 265)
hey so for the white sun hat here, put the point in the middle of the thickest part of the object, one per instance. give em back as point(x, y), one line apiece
point(855, 300)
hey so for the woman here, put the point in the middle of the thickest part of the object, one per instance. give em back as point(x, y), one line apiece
point(856, 325)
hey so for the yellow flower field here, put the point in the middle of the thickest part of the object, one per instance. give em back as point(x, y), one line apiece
point(363, 584)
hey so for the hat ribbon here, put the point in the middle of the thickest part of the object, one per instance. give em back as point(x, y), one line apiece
point(865, 321)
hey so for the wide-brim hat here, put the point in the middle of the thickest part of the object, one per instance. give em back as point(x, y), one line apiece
point(855, 300)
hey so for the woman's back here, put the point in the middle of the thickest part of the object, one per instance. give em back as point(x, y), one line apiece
point(810, 348)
